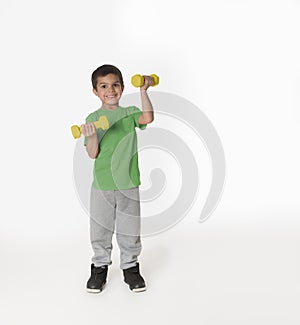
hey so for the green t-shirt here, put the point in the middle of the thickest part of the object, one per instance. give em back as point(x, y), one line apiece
point(116, 166)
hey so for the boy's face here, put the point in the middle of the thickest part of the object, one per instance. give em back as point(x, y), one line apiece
point(109, 90)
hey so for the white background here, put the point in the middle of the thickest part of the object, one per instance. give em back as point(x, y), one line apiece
point(239, 60)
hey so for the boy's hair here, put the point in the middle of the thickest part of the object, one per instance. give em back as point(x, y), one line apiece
point(103, 71)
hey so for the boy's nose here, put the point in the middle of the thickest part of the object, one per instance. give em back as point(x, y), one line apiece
point(110, 89)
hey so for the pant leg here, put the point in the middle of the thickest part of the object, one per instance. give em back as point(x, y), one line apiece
point(128, 226)
point(102, 225)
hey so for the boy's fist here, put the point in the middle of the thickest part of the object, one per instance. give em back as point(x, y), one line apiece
point(88, 129)
point(139, 81)
point(148, 81)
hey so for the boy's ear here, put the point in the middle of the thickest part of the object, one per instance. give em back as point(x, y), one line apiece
point(95, 92)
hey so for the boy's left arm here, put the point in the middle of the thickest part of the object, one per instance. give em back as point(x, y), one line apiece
point(147, 115)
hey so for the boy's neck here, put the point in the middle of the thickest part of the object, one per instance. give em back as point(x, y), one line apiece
point(109, 107)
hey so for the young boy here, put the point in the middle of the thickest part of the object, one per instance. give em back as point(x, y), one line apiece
point(115, 197)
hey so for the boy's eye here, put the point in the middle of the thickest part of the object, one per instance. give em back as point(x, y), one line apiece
point(116, 85)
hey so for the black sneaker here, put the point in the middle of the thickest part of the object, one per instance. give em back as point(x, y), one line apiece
point(97, 279)
point(134, 279)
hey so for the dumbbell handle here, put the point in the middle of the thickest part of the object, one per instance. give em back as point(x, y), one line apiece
point(138, 80)
point(102, 123)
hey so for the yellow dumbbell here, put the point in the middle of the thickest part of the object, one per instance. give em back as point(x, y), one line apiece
point(138, 80)
point(102, 123)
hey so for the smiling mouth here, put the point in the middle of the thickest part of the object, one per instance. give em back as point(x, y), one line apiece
point(110, 97)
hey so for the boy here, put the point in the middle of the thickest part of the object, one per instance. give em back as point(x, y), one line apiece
point(115, 190)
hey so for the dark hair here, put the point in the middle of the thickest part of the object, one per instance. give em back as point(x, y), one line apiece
point(103, 71)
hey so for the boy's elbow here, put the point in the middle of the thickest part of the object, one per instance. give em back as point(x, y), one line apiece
point(92, 155)
point(147, 120)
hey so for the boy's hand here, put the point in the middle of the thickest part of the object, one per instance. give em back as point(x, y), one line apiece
point(89, 129)
point(148, 81)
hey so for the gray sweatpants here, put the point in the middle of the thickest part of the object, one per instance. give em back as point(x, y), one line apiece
point(118, 209)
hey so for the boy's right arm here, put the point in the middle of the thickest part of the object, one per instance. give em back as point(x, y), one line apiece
point(89, 130)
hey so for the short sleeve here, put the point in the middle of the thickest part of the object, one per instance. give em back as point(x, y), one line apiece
point(136, 113)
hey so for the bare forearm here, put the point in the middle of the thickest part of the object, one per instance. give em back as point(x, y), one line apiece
point(92, 146)
point(146, 106)
point(89, 131)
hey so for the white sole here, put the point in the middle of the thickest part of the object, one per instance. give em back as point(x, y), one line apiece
point(95, 290)
point(139, 289)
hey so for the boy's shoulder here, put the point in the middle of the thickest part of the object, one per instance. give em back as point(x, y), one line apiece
point(93, 116)
point(132, 109)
